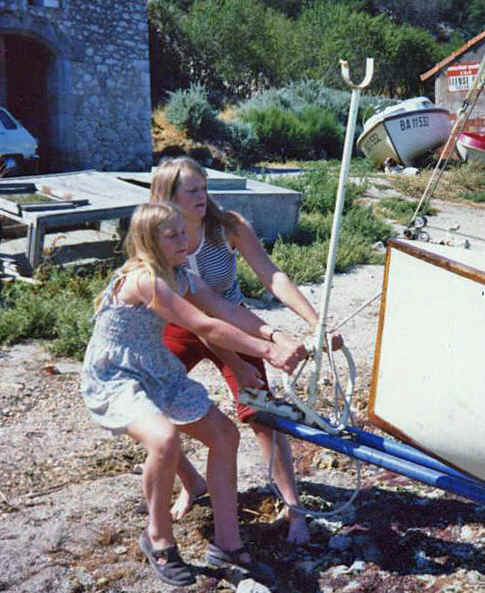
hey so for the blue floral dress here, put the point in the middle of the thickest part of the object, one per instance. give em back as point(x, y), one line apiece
point(129, 374)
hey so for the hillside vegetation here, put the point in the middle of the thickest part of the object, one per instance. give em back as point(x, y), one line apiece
point(236, 47)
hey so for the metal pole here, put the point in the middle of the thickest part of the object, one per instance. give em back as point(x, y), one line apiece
point(339, 204)
point(398, 458)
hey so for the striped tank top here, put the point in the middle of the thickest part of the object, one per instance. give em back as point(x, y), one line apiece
point(215, 263)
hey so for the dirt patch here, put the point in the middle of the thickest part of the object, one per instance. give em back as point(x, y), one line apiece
point(70, 515)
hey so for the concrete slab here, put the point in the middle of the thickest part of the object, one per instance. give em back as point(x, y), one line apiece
point(216, 180)
point(272, 210)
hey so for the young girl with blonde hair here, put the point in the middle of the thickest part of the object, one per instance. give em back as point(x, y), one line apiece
point(133, 384)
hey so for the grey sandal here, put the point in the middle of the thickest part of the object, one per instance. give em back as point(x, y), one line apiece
point(173, 570)
point(232, 559)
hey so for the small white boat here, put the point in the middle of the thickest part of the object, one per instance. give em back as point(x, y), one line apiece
point(471, 147)
point(405, 131)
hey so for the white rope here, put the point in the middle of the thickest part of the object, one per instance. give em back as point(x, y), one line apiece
point(341, 421)
point(356, 312)
point(304, 510)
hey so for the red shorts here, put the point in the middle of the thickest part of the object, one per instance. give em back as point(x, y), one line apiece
point(190, 350)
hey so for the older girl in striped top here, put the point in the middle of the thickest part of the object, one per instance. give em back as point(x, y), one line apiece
point(215, 237)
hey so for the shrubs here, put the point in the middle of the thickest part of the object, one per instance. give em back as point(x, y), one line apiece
point(244, 142)
point(312, 133)
point(282, 124)
point(58, 310)
point(304, 120)
point(191, 111)
point(319, 188)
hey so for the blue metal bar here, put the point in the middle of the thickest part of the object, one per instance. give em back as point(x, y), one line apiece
point(461, 484)
point(407, 452)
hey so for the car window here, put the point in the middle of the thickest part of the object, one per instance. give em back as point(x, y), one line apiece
point(7, 121)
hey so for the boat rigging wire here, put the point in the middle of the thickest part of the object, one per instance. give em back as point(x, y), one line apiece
point(463, 114)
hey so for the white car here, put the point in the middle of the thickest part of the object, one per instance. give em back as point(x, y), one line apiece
point(18, 148)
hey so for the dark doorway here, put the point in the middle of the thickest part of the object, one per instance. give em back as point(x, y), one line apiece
point(27, 68)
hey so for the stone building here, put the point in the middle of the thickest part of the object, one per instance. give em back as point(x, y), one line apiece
point(77, 75)
point(454, 77)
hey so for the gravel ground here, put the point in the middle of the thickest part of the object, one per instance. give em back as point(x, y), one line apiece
point(70, 493)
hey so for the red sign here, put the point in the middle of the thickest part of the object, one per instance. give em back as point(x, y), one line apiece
point(462, 76)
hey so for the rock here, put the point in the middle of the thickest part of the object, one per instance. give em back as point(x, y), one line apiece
point(340, 542)
point(357, 566)
point(251, 586)
point(308, 566)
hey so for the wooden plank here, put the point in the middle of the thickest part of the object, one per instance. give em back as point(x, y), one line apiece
point(57, 205)
point(9, 206)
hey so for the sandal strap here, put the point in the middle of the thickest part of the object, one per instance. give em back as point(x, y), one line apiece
point(169, 554)
point(224, 558)
point(214, 552)
point(173, 570)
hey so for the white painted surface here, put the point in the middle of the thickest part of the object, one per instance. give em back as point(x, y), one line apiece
point(431, 377)
point(404, 131)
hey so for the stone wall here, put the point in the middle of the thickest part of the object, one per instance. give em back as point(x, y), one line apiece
point(97, 110)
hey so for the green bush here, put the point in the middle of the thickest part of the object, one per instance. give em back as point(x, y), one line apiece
point(319, 185)
point(360, 221)
point(233, 38)
point(191, 111)
point(244, 142)
point(400, 209)
point(59, 310)
point(311, 133)
point(477, 197)
point(276, 129)
point(300, 95)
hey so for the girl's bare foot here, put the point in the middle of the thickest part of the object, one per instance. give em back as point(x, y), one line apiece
point(185, 500)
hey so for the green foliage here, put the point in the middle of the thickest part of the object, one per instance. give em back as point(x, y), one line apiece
point(310, 133)
point(298, 96)
point(477, 197)
point(319, 185)
point(400, 209)
point(348, 35)
point(191, 111)
point(307, 263)
point(232, 35)
point(244, 142)
point(291, 8)
point(302, 264)
point(312, 227)
point(59, 310)
point(173, 59)
point(475, 21)
point(235, 47)
point(248, 281)
point(411, 51)
point(361, 221)
point(304, 258)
